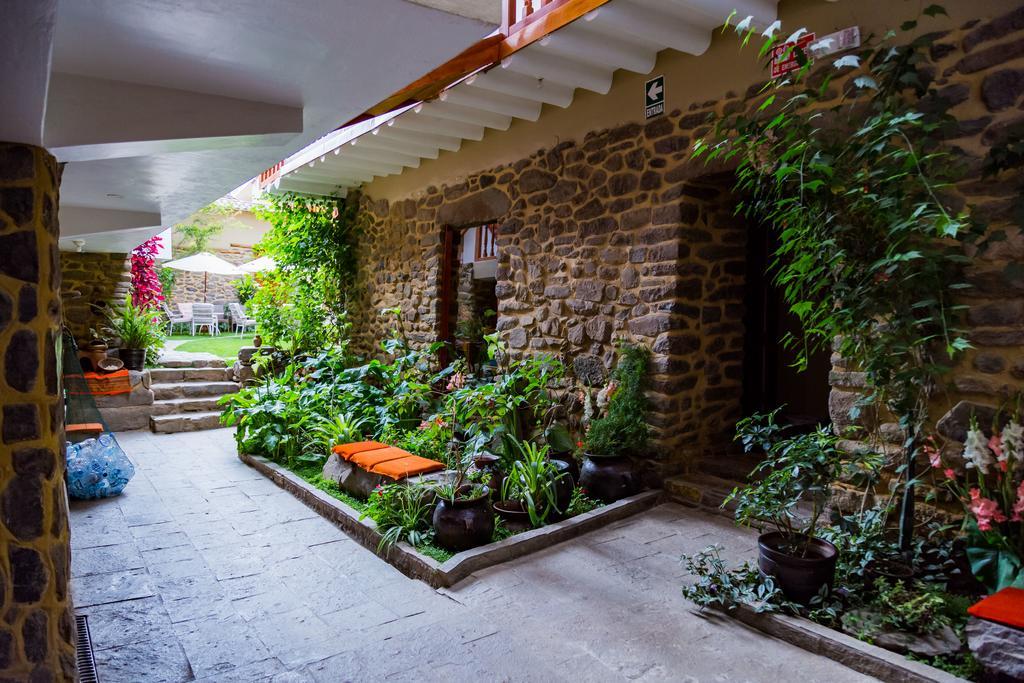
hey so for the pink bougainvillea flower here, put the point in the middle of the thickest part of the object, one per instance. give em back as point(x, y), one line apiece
point(934, 457)
point(424, 425)
point(950, 474)
point(985, 510)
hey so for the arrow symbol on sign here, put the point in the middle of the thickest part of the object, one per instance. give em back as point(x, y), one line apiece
point(655, 90)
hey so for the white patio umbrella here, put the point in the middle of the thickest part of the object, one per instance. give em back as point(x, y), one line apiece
point(262, 264)
point(206, 263)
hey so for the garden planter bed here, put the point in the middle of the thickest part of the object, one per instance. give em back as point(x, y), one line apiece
point(849, 651)
point(438, 575)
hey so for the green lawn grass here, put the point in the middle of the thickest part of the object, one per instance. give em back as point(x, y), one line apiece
point(226, 345)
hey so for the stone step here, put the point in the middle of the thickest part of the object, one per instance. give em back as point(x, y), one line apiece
point(703, 491)
point(165, 390)
point(201, 363)
point(186, 422)
point(207, 374)
point(189, 405)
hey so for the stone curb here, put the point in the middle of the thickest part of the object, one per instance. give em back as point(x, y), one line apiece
point(849, 651)
point(417, 566)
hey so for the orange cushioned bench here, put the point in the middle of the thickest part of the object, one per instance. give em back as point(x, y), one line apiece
point(387, 461)
point(1005, 607)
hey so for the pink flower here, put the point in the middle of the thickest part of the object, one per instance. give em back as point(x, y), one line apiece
point(424, 425)
point(934, 457)
point(950, 474)
point(457, 381)
point(985, 510)
point(995, 444)
point(1018, 507)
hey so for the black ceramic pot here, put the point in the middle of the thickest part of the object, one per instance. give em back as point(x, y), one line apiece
point(799, 578)
point(513, 515)
point(563, 489)
point(608, 477)
point(465, 522)
point(489, 464)
point(570, 460)
point(134, 359)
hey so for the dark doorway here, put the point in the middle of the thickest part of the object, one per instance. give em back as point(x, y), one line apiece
point(468, 290)
point(770, 378)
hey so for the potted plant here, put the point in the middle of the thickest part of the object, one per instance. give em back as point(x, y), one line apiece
point(611, 441)
point(469, 334)
point(532, 486)
point(463, 517)
point(139, 330)
point(796, 471)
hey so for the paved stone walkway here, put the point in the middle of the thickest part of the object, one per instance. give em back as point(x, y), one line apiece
point(203, 570)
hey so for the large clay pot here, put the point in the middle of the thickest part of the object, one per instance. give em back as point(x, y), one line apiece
point(799, 578)
point(608, 477)
point(490, 464)
point(134, 359)
point(513, 515)
point(465, 522)
point(563, 489)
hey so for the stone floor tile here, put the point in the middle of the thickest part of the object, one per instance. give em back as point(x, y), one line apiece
point(263, 671)
point(99, 589)
point(105, 559)
point(214, 646)
point(160, 660)
point(130, 621)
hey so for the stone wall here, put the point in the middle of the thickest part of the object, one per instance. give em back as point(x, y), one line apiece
point(980, 74)
point(619, 235)
point(188, 287)
point(37, 631)
point(101, 281)
point(612, 238)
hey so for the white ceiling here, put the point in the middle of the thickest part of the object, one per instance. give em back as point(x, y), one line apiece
point(621, 34)
point(162, 106)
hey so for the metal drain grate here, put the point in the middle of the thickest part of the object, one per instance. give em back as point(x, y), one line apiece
point(83, 654)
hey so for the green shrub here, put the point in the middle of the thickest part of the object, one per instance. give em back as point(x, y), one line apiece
point(624, 429)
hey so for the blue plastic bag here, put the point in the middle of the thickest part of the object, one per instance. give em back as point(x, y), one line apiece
point(97, 468)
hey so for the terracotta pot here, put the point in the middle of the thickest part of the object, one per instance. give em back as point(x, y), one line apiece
point(134, 359)
point(513, 514)
point(257, 341)
point(799, 578)
point(608, 477)
point(465, 522)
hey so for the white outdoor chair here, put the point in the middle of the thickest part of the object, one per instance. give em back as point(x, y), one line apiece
point(240, 320)
point(220, 311)
point(175, 318)
point(203, 316)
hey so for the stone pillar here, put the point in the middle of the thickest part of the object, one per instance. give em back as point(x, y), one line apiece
point(36, 628)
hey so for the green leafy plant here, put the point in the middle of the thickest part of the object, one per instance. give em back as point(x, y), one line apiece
point(920, 609)
point(581, 503)
point(245, 288)
point(871, 246)
point(402, 513)
point(724, 588)
point(795, 469)
point(624, 429)
point(533, 480)
point(137, 328)
point(340, 429)
point(313, 241)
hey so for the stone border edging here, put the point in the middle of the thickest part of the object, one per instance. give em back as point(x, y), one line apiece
point(849, 651)
point(414, 565)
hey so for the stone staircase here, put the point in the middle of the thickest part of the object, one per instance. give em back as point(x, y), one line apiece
point(186, 395)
